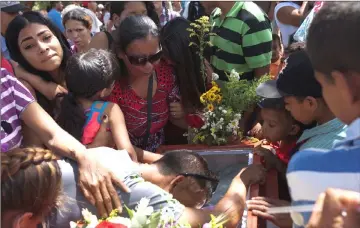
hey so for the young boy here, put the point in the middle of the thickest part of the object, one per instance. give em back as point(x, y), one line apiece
point(303, 98)
point(280, 131)
point(333, 47)
point(276, 58)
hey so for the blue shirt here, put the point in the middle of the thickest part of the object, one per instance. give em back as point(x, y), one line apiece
point(312, 171)
point(4, 50)
point(55, 17)
point(323, 136)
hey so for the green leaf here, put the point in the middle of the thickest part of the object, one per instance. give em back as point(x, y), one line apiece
point(130, 212)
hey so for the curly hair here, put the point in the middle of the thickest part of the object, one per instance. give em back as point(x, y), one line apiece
point(30, 180)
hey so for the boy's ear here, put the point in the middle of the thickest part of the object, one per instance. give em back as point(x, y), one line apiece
point(349, 82)
point(295, 129)
point(311, 102)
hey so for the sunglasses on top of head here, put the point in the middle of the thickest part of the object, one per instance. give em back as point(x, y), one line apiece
point(141, 61)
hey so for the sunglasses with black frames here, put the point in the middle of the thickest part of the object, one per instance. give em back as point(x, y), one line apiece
point(141, 61)
point(214, 181)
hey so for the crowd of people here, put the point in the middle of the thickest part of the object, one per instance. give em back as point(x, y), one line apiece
point(91, 90)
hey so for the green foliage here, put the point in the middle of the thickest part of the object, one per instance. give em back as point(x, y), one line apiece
point(201, 30)
point(240, 95)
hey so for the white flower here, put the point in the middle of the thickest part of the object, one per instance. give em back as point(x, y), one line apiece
point(221, 119)
point(73, 224)
point(234, 75)
point(120, 220)
point(140, 217)
point(224, 111)
point(214, 76)
point(91, 219)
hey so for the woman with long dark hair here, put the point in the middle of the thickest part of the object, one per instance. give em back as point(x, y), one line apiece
point(40, 48)
point(118, 12)
point(146, 90)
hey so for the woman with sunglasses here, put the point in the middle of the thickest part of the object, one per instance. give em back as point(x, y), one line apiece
point(147, 88)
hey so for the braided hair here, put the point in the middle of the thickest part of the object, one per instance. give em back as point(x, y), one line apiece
point(30, 181)
point(86, 75)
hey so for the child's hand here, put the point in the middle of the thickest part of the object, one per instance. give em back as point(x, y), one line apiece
point(259, 206)
point(271, 160)
point(253, 174)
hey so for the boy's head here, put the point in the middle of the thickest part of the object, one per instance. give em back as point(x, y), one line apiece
point(333, 47)
point(301, 92)
point(277, 48)
point(278, 124)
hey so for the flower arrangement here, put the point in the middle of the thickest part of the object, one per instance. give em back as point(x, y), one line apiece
point(224, 103)
point(142, 217)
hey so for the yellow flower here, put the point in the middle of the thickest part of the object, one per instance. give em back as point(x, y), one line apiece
point(210, 107)
point(212, 97)
point(218, 98)
point(214, 84)
point(202, 100)
point(215, 89)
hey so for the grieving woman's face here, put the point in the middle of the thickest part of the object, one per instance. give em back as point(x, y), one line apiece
point(40, 47)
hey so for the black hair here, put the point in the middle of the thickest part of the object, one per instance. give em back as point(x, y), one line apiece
point(78, 15)
point(130, 29)
point(119, 6)
point(182, 161)
point(175, 40)
point(333, 38)
point(196, 10)
point(276, 38)
point(12, 36)
point(86, 74)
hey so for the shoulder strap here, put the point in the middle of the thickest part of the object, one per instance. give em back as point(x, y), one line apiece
point(149, 111)
point(109, 38)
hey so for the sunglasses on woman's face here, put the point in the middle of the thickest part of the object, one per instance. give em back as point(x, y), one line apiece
point(141, 61)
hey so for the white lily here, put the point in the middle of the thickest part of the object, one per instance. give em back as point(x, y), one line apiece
point(140, 217)
point(91, 219)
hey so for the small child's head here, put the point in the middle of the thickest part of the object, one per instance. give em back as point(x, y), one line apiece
point(278, 124)
point(91, 75)
point(301, 92)
point(277, 48)
point(30, 186)
point(333, 47)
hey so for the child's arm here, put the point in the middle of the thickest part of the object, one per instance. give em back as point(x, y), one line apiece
point(119, 131)
point(48, 89)
point(144, 156)
point(271, 160)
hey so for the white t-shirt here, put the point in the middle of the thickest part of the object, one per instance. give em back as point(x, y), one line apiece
point(286, 30)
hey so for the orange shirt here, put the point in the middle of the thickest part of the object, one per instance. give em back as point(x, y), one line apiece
point(275, 68)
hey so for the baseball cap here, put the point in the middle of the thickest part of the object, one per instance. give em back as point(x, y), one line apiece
point(11, 6)
point(297, 78)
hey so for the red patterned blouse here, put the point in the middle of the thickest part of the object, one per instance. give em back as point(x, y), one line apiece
point(135, 107)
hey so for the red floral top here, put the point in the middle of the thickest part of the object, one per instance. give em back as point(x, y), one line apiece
point(135, 107)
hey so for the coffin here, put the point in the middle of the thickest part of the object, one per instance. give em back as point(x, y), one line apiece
point(226, 162)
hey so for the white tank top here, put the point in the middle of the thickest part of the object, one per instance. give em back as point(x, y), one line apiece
point(286, 30)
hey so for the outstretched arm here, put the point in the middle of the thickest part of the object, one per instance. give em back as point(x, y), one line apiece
point(233, 203)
